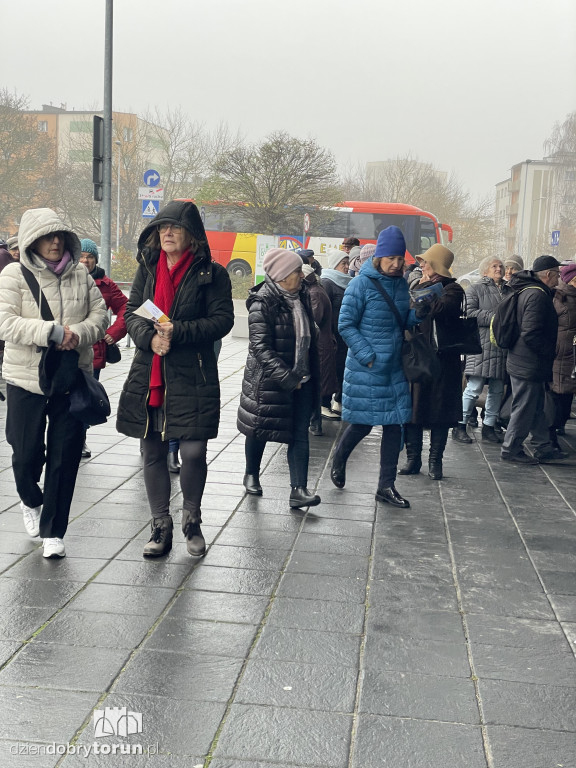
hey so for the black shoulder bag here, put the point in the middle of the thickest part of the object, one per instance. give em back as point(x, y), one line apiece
point(419, 360)
point(58, 371)
point(460, 336)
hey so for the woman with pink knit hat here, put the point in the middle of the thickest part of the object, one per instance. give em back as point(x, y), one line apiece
point(280, 385)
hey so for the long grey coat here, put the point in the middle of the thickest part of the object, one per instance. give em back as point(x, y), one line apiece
point(482, 298)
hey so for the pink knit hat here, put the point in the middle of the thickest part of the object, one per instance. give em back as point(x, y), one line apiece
point(568, 272)
point(279, 263)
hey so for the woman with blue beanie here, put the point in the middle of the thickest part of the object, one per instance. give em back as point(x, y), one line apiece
point(375, 389)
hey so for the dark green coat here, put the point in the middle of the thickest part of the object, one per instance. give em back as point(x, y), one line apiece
point(202, 312)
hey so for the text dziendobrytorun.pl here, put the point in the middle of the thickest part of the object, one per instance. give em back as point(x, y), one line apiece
point(84, 750)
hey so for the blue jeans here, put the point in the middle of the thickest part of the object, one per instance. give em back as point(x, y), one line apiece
point(493, 399)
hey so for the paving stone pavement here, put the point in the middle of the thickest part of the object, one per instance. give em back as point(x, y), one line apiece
point(352, 636)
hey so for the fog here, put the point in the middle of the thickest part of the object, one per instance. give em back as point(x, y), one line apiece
point(472, 87)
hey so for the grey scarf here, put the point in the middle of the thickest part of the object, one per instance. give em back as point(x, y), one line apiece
point(301, 331)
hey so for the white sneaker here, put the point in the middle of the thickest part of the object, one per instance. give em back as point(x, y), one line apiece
point(54, 548)
point(328, 414)
point(31, 516)
point(336, 406)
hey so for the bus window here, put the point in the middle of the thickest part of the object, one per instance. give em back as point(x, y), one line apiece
point(331, 224)
point(427, 233)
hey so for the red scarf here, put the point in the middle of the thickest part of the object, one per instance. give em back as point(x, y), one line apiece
point(167, 282)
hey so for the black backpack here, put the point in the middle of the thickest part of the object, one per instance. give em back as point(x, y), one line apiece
point(504, 328)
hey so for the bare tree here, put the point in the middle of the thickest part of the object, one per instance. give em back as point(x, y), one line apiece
point(26, 155)
point(274, 182)
point(405, 179)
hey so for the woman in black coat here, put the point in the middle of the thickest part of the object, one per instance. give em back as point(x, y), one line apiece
point(322, 311)
point(436, 406)
point(279, 388)
point(335, 280)
point(172, 390)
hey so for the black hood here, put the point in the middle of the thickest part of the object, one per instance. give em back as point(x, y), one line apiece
point(180, 212)
point(525, 278)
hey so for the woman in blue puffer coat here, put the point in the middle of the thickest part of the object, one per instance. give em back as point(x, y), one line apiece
point(375, 389)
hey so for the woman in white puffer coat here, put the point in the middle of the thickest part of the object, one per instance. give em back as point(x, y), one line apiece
point(50, 251)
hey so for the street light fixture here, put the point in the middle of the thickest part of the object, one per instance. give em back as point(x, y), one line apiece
point(118, 144)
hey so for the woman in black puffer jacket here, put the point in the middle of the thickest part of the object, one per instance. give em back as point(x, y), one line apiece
point(172, 390)
point(280, 385)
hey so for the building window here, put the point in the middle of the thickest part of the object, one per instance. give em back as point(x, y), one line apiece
point(127, 134)
point(80, 126)
point(42, 126)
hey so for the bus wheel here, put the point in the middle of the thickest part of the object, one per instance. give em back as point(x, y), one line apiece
point(239, 267)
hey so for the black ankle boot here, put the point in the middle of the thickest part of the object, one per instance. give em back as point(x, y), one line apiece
point(300, 496)
point(489, 435)
point(161, 540)
point(173, 463)
point(195, 543)
point(338, 472)
point(438, 436)
point(252, 485)
point(413, 438)
point(391, 496)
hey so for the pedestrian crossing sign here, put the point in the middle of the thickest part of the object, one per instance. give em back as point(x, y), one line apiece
point(150, 208)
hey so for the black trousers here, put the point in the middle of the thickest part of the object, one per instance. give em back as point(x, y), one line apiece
point(389, 448)
point(298, 454)
point(25, 432)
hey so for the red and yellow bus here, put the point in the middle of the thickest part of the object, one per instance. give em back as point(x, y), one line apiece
point(236, 249)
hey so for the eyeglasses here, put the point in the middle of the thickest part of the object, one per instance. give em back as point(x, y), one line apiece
point(175, 228)
point(51, 236)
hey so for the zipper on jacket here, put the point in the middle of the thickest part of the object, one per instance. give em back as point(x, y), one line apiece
point(201, 364)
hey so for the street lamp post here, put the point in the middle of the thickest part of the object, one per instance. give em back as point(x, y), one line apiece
point(118, 144)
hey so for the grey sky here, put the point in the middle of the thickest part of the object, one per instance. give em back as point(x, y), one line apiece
point(472, 86)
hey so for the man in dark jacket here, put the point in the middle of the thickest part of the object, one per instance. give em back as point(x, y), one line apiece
point(529, 362)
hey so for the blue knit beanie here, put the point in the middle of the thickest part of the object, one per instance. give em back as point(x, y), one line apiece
point(390, 243)
point(89, 246)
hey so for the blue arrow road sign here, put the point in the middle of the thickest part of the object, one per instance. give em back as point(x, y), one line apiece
point(555, 239)
point(150, 208)
point(151, 178)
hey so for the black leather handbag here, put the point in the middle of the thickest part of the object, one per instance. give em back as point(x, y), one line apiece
point(419, 359)
point(460, 336)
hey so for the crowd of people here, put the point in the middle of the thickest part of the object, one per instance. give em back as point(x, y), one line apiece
point(324, 344)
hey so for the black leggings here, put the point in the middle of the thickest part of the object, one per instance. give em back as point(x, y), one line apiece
point(157, 478)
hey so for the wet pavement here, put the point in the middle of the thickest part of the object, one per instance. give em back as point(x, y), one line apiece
point(356, 635)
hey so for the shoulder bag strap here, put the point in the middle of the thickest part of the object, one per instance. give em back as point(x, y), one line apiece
point(391, 304)
point(39, 297)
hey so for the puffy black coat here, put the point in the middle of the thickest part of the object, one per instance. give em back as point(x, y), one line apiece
point(440, 403)
point(565, 306)
point(482, 298)
point(202, 312)
point(266, 400)
point(532, 356)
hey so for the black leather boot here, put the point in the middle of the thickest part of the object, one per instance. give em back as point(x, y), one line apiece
point(489, 435)
point(195, 543)
point(438, 437)
point(252, 485)
point(173, 463)
point(338, 472)
point(460, 434)
point(161, 540)
point(301, 497)
point(391, 496)
point(413, 438)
